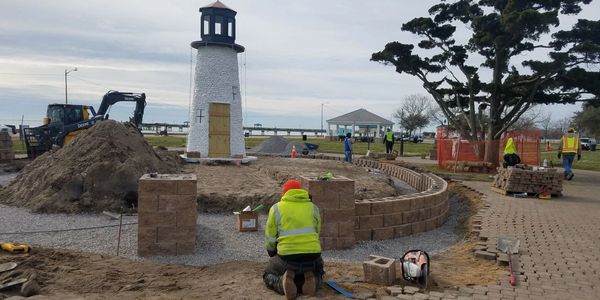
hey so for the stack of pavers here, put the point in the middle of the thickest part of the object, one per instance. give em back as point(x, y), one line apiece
point(526, 179)
point(7, 153)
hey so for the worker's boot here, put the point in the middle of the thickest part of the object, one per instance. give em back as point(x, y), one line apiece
point(274, 282)
point(310, 284)
point(289, 286)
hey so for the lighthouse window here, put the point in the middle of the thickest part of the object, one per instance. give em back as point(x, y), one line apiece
point(206, 25)
point(230, 27)
point(218, 24)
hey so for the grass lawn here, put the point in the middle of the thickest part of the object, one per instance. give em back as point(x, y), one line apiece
point(590, 160)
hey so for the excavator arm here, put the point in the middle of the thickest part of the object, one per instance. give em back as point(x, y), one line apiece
point(113, 97)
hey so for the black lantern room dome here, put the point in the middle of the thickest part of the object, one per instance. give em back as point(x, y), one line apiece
point(217, 26)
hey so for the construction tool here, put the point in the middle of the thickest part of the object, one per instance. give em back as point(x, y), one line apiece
point(15, 248)
point(509, 246)
point(11, 282)
point(415, 267)
point(333, 284)
point(7, 266)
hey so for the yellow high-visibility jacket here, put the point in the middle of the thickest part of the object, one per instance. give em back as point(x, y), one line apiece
point(389, 136)
point(293, 225)
point(570, 144)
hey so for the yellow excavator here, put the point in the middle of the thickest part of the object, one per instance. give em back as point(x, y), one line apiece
point(63, 122)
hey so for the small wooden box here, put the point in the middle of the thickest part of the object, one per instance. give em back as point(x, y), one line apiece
point(247, 220)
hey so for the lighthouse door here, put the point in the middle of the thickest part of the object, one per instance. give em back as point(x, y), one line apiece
point(218, 132)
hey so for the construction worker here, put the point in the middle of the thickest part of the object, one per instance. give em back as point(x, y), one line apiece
point(511, 158)
point(292, 242)
point(568, 147)
point(348, 148)
point(389, 141)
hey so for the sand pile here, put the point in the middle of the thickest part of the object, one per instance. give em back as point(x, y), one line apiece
point(275, 145)
point(98, 170)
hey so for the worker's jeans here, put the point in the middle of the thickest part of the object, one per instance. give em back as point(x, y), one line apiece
point(568, 163)
point(273, 274)
point(348, 157)
point(389, 146)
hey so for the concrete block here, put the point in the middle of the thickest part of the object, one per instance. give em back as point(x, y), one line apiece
point(186, 248)
point(432, 224)
point(329, 229)
point(392, 219)
point(346, 200)
point(187, 186)
point(401, 205)
point(402, 230)
point(146, 235)
point(346, 229)
point(370, 222)
point(380, 270)
point(177, 203)
point(485, 255)
point(345, 242)
point(362, 208)
point(383, 233)
point(186, 218)
point(410, 216)
point(363, 234)
point(338, 215)
point(328, 243)
point(147, 202)
point(417, 203)
point(176, 234)
point(419, 227)
point(394, 291)
point(162, 249)
point(424, 214)
point(382, 207)
point(158, 187)
point(155, 219)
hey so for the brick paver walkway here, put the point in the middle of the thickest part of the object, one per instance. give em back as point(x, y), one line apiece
point(559, 255)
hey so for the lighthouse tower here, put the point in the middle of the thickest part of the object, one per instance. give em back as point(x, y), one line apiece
point(216, 125)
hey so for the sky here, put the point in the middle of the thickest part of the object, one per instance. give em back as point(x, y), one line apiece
point(302, 57)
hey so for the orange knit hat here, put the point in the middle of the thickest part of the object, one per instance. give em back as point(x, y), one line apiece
point(291, 184)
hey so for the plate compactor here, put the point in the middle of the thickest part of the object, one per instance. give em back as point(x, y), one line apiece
point(415, 267)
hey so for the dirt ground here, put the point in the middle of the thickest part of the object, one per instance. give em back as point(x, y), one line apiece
point(223, 188)
point(66, 274)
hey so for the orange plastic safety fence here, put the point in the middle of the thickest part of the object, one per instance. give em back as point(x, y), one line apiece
point(451, 147)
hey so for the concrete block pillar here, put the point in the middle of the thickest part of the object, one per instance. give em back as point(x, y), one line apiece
point(167, 214)
point(7, 153)
point(335, 199)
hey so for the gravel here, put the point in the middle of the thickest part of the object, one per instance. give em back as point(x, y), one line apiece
point(218, 239)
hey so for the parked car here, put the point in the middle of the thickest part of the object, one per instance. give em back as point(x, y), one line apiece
point(588, 144)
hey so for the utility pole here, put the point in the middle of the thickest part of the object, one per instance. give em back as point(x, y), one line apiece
point(321, 119)
point(67, 72)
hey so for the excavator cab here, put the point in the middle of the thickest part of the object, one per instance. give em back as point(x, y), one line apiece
point(66, 114)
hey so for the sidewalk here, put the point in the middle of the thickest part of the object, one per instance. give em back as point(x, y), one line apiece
point(560, 240)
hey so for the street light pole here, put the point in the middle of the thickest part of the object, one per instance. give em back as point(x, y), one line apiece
point(321, 118)
point(67, 72)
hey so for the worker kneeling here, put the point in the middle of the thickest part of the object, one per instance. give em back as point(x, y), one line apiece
point(292, 241)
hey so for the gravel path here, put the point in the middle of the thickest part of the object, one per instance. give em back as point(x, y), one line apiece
point(218, 240)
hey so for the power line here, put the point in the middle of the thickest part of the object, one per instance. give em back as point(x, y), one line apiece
point(66, 230)
point(89, 81)
point(30, 74)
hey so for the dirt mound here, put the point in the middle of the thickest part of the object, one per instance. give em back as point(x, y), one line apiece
point(98, 170)
point(275, 145)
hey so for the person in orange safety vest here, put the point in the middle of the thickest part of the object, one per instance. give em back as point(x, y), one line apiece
point(568, 148)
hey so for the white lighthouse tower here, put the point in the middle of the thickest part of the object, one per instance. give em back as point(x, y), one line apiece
point(216, 125)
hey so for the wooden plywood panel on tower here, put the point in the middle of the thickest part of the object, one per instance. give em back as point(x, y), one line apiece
point(218, 130)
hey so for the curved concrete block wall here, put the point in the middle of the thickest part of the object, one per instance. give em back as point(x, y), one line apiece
point(392, 217)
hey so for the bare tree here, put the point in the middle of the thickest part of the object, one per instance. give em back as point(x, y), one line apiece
point(414, 113)
point(545, 122)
